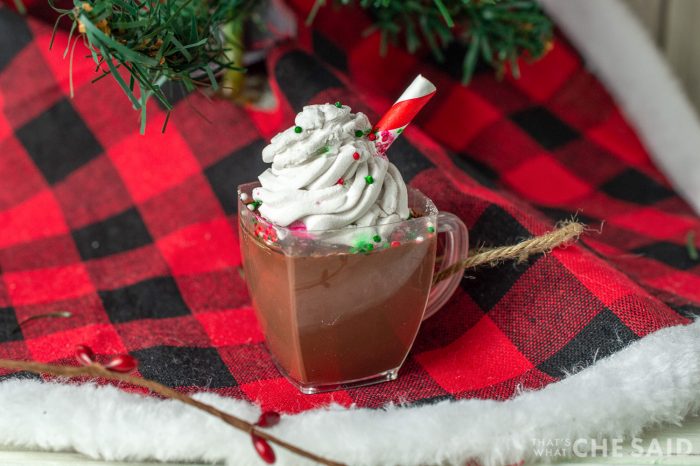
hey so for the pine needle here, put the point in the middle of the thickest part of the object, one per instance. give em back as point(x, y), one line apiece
point(690, 246)
point(20, 7)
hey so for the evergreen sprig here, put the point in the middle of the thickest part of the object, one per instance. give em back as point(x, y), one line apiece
point(144, 44)
point(497, 32)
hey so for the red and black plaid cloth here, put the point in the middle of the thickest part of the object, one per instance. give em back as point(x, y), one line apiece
point(135, 235)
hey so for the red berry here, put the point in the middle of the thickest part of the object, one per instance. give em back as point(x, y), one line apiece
point(395, 244)
point(356, 156)
point(84, 355)
point(340, 181)
point(268, 419)
point(372, 136)
point(263, 448)
point(123, 363)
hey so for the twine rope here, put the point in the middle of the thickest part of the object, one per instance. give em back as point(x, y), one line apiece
point(565, 233)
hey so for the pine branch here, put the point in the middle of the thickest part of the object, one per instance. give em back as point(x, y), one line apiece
point(143, 45)
point(496, 32)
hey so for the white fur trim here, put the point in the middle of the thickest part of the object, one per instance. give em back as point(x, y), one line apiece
point(653, 380)
point(621, 53)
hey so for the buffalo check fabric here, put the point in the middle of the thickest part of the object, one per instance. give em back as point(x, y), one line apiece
point(135, 235)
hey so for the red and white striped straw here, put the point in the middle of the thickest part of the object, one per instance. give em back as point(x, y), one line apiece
point(402, 113)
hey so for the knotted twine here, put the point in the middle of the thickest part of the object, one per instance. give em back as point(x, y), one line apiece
point(565, 233)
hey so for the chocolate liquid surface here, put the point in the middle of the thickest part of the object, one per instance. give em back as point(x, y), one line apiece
point(336, 318)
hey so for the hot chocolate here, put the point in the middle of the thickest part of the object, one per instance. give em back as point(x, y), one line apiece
point(338, 253)
point(342, 316)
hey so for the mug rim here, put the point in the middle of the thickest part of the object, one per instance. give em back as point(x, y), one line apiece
point(431, 212)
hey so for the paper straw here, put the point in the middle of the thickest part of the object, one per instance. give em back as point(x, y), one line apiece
point(402, 113)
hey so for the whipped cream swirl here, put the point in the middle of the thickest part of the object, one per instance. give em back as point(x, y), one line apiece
point(326, 177)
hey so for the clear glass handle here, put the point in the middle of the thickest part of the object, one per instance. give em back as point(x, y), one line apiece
point(456, 248)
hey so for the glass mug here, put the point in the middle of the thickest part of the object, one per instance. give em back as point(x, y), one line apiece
point(339, 312)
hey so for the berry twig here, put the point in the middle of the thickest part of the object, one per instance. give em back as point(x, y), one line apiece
point(124, 363)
